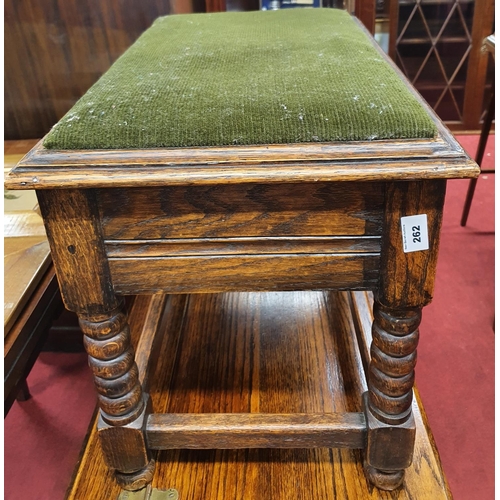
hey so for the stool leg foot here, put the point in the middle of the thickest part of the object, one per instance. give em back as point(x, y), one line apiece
point(384, 480)
point(136, 480)
point(387, 404)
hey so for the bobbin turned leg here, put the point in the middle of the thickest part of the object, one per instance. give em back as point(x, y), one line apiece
point(405, 286)
point(388, 403)
point(72, 223)
point(123, 405)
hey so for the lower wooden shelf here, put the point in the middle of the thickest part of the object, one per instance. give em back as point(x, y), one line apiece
point(279, 352)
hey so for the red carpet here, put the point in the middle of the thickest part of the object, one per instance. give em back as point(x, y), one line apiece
point(455, 372)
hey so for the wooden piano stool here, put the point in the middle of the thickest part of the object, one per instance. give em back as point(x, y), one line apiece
point(198, 166)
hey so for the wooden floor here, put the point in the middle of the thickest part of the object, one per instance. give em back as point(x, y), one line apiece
point(262, 352)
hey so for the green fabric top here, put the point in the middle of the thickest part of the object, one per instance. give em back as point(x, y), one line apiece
point(274, 77)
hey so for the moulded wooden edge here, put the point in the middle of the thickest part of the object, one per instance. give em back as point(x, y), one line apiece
point(411, 159)
point(142, 174)
point(185, 247)
point(441, 146)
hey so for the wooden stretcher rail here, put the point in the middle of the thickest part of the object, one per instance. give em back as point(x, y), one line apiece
point(289, 473)
point(256, 430)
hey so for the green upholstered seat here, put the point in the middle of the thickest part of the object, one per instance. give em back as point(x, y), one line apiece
point(275, 77)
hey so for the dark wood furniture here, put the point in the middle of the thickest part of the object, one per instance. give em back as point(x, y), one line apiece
point(317, 216)
point(65, 49)
point(233, 352)
point(438, 44)
point(23, 342)
point(31, 299)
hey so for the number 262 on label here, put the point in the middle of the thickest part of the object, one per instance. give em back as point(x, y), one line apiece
point(415, 234)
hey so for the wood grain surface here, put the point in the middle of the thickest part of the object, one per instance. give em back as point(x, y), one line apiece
point(26, 259)
point(19, 147)
point(306, 209)
point(24, 340)
point(56, 50)
point(271, 353)
point(243, 273)
point(72, 223)
point(148, 348)
point(242, 246)
point(245, 237)
point(205, 431)
point(23, 224)
point(31, 292)
point(407, 278)
point(483, 26)
point(355, 161)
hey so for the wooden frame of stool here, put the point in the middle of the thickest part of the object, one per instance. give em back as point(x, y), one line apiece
point(276, 217)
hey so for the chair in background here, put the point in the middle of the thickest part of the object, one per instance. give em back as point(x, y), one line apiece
point(489, 45)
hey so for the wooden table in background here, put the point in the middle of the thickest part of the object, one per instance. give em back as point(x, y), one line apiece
point(31, 299)
point(31, 292)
